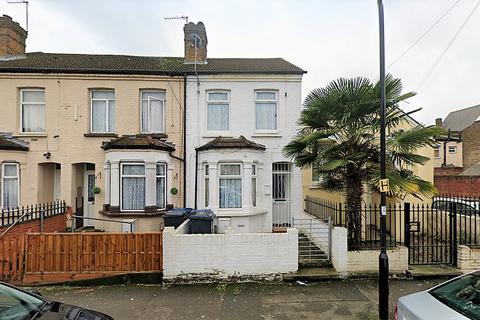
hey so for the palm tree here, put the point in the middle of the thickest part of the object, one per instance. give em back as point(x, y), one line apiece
point(339, 139)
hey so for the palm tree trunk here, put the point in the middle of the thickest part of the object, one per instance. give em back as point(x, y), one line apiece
point(354, 194)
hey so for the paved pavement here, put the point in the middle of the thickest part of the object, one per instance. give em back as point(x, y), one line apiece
point(323, 300)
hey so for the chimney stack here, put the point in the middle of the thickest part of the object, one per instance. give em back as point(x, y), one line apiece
point(438, 122)
point(12, 37)
point(195, 43)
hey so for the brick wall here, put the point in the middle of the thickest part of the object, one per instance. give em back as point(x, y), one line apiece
point(366, 261)
point(217, 256)
point(50, 224)
point(466, 186)
point(447, 171)
point(471, 145)
point(468, 258)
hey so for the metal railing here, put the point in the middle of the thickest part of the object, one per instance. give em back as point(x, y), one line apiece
point(130, 223)
point(282, 213)
point(314, 239)
point(9, 216)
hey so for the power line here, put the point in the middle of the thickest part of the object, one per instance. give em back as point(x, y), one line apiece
point(450, 43)
point(424, 34)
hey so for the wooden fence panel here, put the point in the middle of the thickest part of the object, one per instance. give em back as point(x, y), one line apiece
point(12, 255)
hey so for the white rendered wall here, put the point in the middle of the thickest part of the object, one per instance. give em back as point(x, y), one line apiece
point(242, 122)
point(231, 254)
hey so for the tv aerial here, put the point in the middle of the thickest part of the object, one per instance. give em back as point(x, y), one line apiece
point(25, 2)
point(185, 18)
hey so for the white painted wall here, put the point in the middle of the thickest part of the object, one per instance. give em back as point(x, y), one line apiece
point(242, 122)
point(231, 254)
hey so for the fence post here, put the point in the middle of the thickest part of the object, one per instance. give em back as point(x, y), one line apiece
point(453, 233)
point(406, 236)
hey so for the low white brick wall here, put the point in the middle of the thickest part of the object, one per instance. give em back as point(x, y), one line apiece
point(340, 250)
point(468, 258)
point(190, 256)
point(366, 261)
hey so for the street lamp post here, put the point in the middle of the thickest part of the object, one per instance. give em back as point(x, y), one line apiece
point(383, 289)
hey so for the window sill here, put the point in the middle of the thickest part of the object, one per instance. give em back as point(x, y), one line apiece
point(314, 186)
point(31, 135)
point(139, 214)
point(217, 134)
point(100, 135)
point(274, 134)
point(239, 213)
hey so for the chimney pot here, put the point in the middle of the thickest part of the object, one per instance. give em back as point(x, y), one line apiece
point(438, 122)
point(12, 37)
point(195, 43)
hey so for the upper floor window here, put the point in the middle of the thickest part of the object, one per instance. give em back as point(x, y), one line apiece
point(230, 186)
point(436, 152)
point(316, 177)
point(32, 103)
point(153, 111)
point(218, 111)
point(452, 149)
point(102, 111)
point(266, 110)
point(10, 185)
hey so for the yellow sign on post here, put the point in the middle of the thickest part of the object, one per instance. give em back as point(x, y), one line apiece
point(384, 185)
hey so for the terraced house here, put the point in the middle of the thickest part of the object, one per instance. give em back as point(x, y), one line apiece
point(109, 133)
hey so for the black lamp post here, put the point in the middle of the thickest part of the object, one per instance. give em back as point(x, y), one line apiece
point(383, 289)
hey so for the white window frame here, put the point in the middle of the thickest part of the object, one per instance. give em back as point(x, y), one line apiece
point(437, 148)
point(266, 101)
point(107, 108)
point(206, 185)
point(156, 177)
point(452, 148)
point(254, 183)
point(239, 176)
point(144, 176)
point(3, 177)
point(223, 102)
point(36, 103)
point(164, 101)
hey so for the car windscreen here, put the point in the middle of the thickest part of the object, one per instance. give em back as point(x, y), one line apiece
point(16, 304)
point(462, 295)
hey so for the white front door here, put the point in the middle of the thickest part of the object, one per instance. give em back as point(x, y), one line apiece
point(88, 196)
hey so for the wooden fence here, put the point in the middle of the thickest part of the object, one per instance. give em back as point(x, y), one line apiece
point(58, 257)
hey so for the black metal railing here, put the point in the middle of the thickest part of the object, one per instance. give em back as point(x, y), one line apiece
point(32, 212)
point(432, 228)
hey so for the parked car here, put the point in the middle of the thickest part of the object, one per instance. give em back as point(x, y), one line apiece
point(463, 205)
point(18, 304)
point(458, 299)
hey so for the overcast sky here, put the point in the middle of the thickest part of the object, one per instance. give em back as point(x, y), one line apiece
point(328, 38)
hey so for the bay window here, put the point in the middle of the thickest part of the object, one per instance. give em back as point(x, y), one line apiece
point(102, 111)
point(32, 106)
point(161, 185)
point(230, 186)
point(266, 110)
point(132, 186)
point(218, 111)
point(10, 185)
point(153, 111)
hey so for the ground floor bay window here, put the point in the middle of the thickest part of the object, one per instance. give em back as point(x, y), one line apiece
point(230, 186)
point(133, 187)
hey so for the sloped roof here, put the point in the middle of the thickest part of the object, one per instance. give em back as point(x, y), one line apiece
point(124, 64)
point(7, 142)
point(236, 143)
point(461, 119)
point(139, 141)
point(472, 171)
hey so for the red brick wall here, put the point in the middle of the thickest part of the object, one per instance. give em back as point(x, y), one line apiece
point(447, 171)
point(50, 224)
point(466, 186)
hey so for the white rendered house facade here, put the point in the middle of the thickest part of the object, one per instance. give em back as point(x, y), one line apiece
point(236, 128)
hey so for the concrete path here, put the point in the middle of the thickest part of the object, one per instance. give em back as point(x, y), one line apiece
point(323, 300)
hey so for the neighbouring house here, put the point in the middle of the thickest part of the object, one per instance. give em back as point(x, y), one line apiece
point(311, 181)
point(73, 122)
point(108, 133)
point(240, 114)
point(450, 146)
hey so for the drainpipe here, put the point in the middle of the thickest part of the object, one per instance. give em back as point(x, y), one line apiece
point(196, 177)
point(185, 140)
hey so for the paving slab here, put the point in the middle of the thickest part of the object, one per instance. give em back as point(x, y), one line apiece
point(433, 271)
